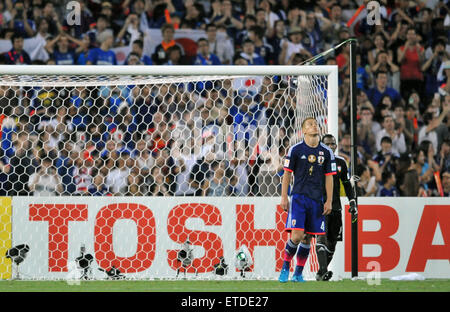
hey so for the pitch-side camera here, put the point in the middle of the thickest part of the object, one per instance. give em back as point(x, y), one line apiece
point(243, 260)
point(185, 257)
point(221, 268)
point(17, 254)
point(113, 273)
point(84, 262)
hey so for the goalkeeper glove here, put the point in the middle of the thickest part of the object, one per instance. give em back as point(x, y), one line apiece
point(353, 209)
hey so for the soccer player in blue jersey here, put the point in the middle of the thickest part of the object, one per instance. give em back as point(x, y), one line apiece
point(313, 165)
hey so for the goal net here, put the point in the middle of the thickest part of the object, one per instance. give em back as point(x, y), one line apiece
point(136, 167)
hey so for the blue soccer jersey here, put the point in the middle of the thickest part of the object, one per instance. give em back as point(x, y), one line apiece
point(310, 165)
point(99, 57)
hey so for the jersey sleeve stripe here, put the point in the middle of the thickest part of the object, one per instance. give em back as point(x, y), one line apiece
point(294, 228)
point(318, 233)
point(287, 169)
point(331, 173)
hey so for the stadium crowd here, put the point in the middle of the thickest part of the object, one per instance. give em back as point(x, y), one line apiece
point(141, 140)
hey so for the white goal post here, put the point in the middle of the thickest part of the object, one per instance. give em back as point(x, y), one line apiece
point(41, 110)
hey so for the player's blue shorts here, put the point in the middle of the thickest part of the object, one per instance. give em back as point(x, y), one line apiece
point(305, 214)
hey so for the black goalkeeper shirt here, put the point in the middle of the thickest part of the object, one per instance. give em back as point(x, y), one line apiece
point(344, 176)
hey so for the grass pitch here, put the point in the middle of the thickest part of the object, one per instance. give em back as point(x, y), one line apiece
point(431, 285)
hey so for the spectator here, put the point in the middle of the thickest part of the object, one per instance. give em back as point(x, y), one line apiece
point(140, 8)
point(62, 54)
point(270, 16)
point(409, 178)
point(388, 185)
point(218, 185)
point(425, 173)
point(434, 60)
point(82, 174)
point(200, 173)
point(315, 24)
point(103, 55)
point(175, 56)
point(334, 24)
point(279, 34)
point(107, 11)
point(143, 157)
point(219, 45)
point(380, 46)
point(116, 179)
point(159, 187)
point(366, 186)
point(411, 57)
point(262, 48)
point(45, 182)
point(363, 77)
point(194, 17)
point(5, 169)
point(160, 56)
point(17, 55)
point(98, 187)
point(137, 47)
point(385, 158)
point(22, 25)
point(99, 27)
point(381, 89)
point(404, 124)
point(443, 157)
point(432, 124)
point(130, 31)
point(366, 129)
point(249, 22)
point(240, 169)
point(223, 15)
point(390, 130)
point(54, 24)
point(446, 183)
point(82, 51)
point(248, 53)
point(65, 166)
point(5, 15)
point(204, 57)
point(384, 62)
point(23, 165)
point(291, 46)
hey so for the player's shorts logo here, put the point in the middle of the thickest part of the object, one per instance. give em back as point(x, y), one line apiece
point(312, 158)
point(320, 159)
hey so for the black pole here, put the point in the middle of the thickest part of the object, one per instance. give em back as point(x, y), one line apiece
point(354, 155)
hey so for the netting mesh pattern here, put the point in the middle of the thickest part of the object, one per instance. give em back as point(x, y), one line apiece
point(151, 136)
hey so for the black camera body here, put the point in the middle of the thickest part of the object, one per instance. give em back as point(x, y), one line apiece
point(18, 253)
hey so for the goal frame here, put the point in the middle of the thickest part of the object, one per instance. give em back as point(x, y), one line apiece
point(328, 71)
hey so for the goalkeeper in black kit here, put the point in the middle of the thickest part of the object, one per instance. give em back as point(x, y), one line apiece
point(326, 244)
